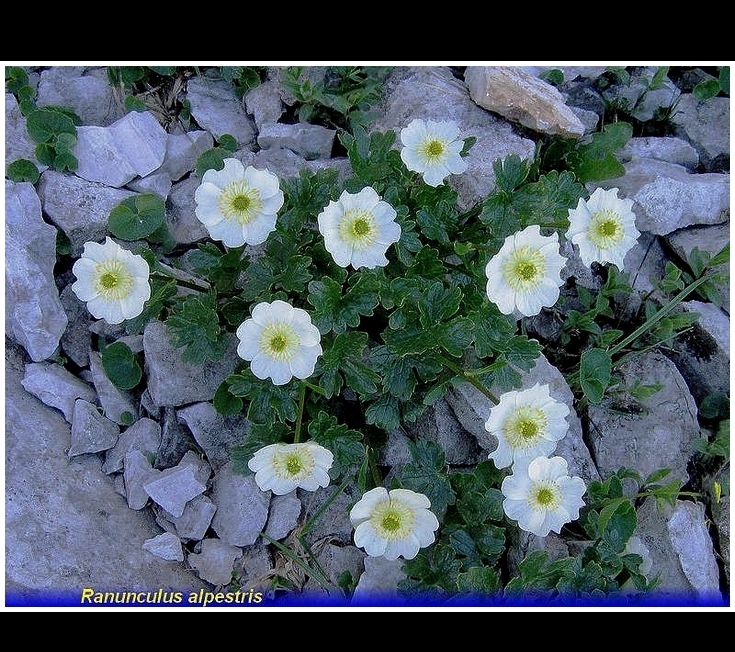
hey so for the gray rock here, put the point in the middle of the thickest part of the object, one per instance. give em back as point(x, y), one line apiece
point(34, 316)
point(286, 163)
point(335, 560)
point(90, 431)
point(86, 91)
point(519, 96)
point(690, 538)
point(195, 519)
point(661, 148)
point(56, 387)
point(78, 207)
point(702, 355)
point(264, 103)
point(395, 451)
point(432, 93)
point(570, 72)
point(173, 382)
point(706, 124)
point(77, 339)
point(589, 119)
point(668, 197)
point(216, 108)
point(18, 144)
point(181, 219)
point(174, 487)
point(166, 546)
point(60, 513)
point(658, 434)
point(215, 433)
point(202, 469)
point(254, 569)
point(721, 518)
point(641, 102)
point(242, 508)
point(334, 522)
point(646, 264)
point(379, 581)
point(438, 424)
point(143, 436)
point(182, 152)
point(584, 276)
point(157, 183)
point(134, 145)
point(307, 140)
point(283, 516)
point(115, 402)
point(137, 472)
point(215, 561)
point(176, 440)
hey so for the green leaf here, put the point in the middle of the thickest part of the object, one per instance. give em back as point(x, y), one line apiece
point(594, 374)
point(618, 525)
point(345, 443)
point(346, 358)
point(224, 402)
point(161, 291)
point(212, 159)
point(511, 172)
point(227, 142)
point(439, 304)
point(334, 310)
point(427, 475)
point(706, 89)
point(137, 217)
point(595, 161)
point(435, 567)
point(132, 103)
point(554, 76)
point(164, 71)
point(384, 413)
point(121, 366)
point(22, 170)
point(480, 581)
point(267, 401)
point(194, 325)
point(45, 124)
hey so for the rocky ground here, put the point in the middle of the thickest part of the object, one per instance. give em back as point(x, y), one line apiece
point(85, 506)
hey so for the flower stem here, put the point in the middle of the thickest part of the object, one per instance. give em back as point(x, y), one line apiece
point(190, 282)
point(300, 414)
point(324, 506)
point(468, 377)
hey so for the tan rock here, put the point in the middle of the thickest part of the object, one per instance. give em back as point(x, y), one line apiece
point(523, 98)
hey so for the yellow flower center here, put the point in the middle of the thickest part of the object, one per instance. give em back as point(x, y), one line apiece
point(545, 496)
point(240, 203)
point(358, 228)
point(434, 149)
point(605, 229)
point(524, 268)
point(525, 426)
point(392, 520)
point(294, 464)
point(113, 280)
point(279, 341)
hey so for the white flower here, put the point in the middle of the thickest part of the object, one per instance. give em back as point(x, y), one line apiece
point(603, 227)
point(238, 205)
point(394, 523)
point(527, 424)
point(112, 280)
point(282, 468)
point(359, 228)
point(433, 149)
point(525, 274)
point(279, 341)
point(541, 495)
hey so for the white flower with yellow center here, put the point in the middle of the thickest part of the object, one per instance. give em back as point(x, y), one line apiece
point(279, 341)
point(524, 275)
point(112, 281)
point(283, 468)
point(358, 228)
point(541, 496)
point(393, 524)
point(238, 205)
point(603, 227)
point(432, 149)
point(527, 424)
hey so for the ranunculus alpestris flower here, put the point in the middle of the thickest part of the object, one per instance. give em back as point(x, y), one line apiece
point(282, 468)
point(432, 149)
point(238, 205)
point(524, 275)
point(603, 227)
point(541, 496)
point(392, 524)
point(279, 341)
point(112, 280)
point(527, 424)
point(358, 228)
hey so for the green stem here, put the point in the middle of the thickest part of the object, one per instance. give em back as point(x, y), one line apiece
point(323, 581)
point(300, 414)
point(650, 323)
point(470, 379)
point(323, 507)
point(189, 282)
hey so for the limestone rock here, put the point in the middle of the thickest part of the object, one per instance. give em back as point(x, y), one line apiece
point(523, 98)
point(216, 108)
point(90, 431)
point(56, 387)
point(166, 546)
point(215, 561)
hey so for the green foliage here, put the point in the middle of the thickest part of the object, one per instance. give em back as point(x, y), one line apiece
point(709, 88)
point(138, 217)
point(22, 170)
point(345, 443)
point(243, 78)
point(121, 366)
point(54, 130)
point(194, 325)
point(214, 158)
point(426, 475)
